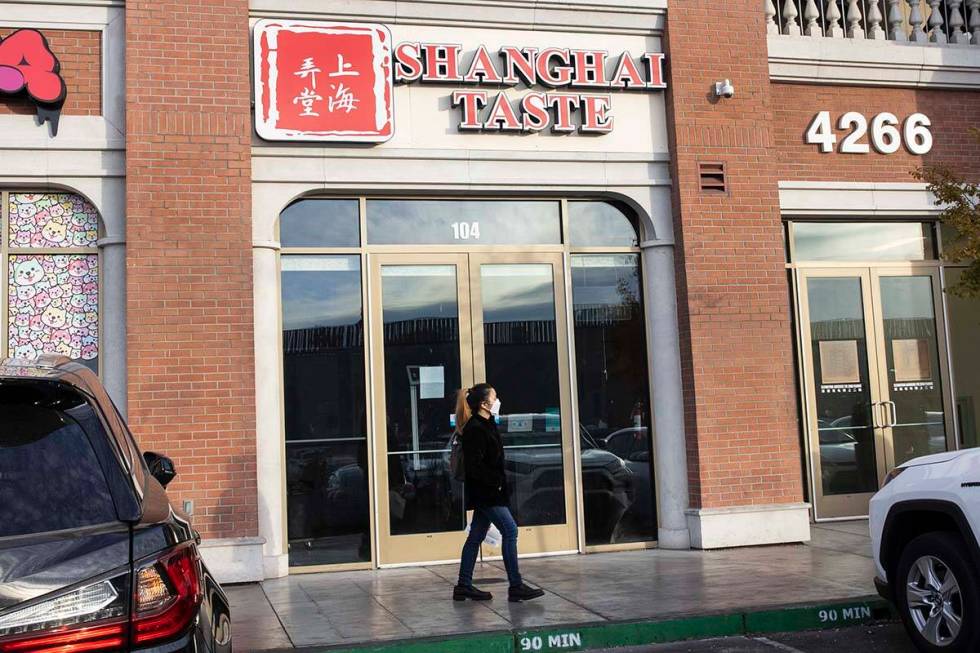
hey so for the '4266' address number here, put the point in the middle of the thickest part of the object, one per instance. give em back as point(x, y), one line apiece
point(886, 137)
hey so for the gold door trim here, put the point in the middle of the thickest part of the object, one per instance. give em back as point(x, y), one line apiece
point(401, 550)
point(944, 373)
point(852, 504)
point(855, 505)
point(558, 537)
point(423, 547)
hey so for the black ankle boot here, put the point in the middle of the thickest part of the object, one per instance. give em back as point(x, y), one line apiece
point(523, 593)
point(463, 592)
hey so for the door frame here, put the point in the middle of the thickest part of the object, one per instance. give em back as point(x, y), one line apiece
point(870, 274)
point(569, 531)
point(945, 378)
point(853, 504)
point(385, 542)
point(472, 367)
point(367, 252)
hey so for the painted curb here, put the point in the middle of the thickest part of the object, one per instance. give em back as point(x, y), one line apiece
point(585, 637)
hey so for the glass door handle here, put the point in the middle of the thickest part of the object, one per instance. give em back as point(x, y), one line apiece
point(892, 413)
point(874, 415)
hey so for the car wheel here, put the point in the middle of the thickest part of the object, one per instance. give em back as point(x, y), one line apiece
point(938, 595)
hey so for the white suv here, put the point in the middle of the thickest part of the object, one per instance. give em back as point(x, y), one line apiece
point(925, 526)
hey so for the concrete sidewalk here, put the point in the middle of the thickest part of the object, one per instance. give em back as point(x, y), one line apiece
point(351, 608)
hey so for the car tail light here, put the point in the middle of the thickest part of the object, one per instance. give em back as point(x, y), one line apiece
point(90, 618)
point(166, 596)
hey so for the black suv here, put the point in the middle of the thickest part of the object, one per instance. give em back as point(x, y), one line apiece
point(93, 557)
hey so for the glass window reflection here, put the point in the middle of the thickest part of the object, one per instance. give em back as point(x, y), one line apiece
point(463, 222)
point(613, 391)
point(320, 223)
point(964, 324)
point(600, 224)
point(324, 402)
point(912, 356)
point(521, 352)
point(845, 425)
point(863, 241)
point(422, 372)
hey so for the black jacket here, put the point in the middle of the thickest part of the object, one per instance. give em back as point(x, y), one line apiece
point(483, 457)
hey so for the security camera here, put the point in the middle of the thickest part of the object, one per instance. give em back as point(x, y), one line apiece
point(724, 89)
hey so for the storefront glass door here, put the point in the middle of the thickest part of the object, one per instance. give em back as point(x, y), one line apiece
point(448, 321)
point(875, 379)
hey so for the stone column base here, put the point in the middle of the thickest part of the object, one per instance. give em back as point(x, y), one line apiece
point(234, 559)
point(717, 528)
point(276, 566)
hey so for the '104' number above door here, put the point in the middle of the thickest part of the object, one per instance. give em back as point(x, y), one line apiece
point(887, 133)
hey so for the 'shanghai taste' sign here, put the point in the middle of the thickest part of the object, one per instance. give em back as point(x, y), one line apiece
point(317, 81)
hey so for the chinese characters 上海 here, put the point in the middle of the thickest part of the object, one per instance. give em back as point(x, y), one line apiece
point(344, 98)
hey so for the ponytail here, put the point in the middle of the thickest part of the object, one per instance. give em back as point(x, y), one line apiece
point(463, 412)
point(468, 402)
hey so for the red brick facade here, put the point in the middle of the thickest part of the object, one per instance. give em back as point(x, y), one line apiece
point(736, 332)
point(80, 55)
point(952, 114)
point(190, 331)
point(736, 351)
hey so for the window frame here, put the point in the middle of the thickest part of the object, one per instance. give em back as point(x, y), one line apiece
point(6, 251)
point(365, 249)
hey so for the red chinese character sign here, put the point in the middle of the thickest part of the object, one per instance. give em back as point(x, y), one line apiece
point(27, 64)
point(323, 81)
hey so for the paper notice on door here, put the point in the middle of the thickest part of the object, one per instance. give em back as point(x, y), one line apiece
point(432, 382)
point(911, 358)
point(839, 362)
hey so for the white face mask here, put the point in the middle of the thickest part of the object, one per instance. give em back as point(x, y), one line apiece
point(495, 408)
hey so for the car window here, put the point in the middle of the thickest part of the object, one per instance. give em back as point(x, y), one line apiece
point(50, 476)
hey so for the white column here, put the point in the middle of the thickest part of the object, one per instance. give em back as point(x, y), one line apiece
point(833, 20)
point(956, 23)
point(854, 28)
point(670, 454)
point(771, 26)
point(896, 20)
point(918, 22)
point(936, 33)
point(974, 25)
point(790, 26)
point(875, 31)
point(112, 340)
point(270, 456)
point(812, 16)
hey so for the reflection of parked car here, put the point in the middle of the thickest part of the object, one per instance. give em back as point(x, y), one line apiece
point(632, 445)
point(94, 555)
point(534, 462)
point(533, 459)
point(324, 500)
point(839, 467)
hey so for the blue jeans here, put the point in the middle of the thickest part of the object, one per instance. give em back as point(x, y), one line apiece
point(482, 518)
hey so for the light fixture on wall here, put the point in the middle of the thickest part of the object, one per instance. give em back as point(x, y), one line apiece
point(724, 89)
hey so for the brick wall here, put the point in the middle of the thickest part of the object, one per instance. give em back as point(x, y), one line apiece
point(952, 113)
point(80, 54)
point(737, 355)
point(190, 342)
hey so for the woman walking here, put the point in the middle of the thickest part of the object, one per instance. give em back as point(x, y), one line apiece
point(486, 492)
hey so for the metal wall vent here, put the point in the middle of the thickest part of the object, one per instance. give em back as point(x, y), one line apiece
point(712, 178)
